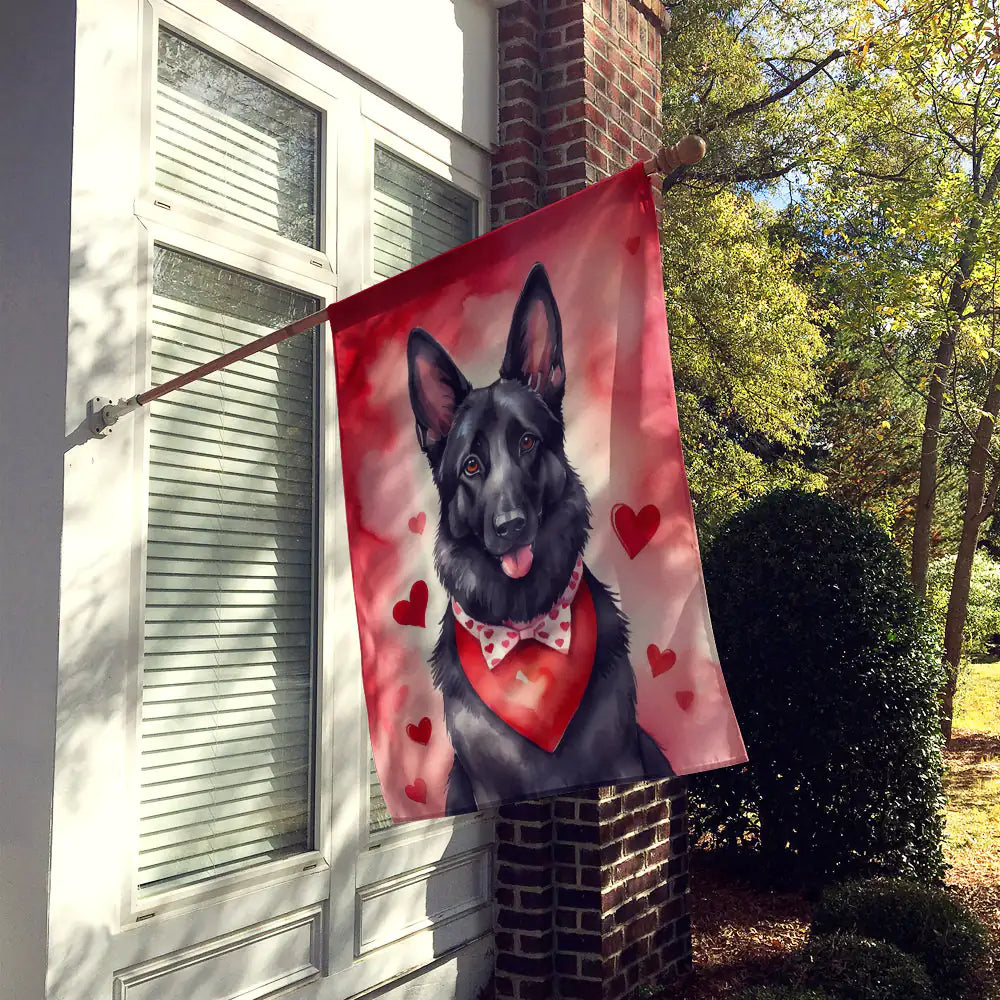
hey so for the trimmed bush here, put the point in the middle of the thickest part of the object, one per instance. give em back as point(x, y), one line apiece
point(833, 673)
point(847, 967)
point(926, 923)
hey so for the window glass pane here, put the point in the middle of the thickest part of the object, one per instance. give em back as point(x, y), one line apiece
point(417, 216)
point(228, 662)
point(235, 144)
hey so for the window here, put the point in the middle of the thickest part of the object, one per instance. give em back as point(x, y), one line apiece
point(210, 830)
point(416, 217)
point(228, 679)
point(230, 142)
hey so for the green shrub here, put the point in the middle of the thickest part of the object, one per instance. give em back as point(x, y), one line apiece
point(833, 675)
point(926, 923)
point(983, 617)
point(782, 993)
point(848, 967)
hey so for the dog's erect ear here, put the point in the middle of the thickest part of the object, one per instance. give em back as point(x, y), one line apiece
point(437, 387)
point(534, 348)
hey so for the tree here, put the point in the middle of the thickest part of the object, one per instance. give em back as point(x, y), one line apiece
point(910, 190)
point(746, 75)
point(746, 352)
point(946, 57)
point(745, 336)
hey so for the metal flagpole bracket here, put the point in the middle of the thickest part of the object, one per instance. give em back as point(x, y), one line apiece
point(103, 414)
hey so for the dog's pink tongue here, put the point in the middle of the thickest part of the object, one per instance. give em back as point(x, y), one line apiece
point(517, 563)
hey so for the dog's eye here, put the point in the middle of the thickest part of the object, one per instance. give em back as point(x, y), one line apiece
point(528, 441)
point(471, 466)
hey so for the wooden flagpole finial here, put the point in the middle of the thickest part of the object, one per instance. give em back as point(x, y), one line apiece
point(687, 152)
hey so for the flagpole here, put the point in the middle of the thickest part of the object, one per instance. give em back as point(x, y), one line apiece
point(103, 413)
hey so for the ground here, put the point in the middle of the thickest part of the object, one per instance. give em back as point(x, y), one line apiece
point(742, 935)
point(972, 784)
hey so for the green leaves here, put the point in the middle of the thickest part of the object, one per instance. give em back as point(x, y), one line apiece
point(834, 677)
point(745, 347)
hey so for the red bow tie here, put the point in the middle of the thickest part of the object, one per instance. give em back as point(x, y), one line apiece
point(552, 629)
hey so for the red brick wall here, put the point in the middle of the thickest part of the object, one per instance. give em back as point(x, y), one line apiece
point(579, 96)
point(591, 890)
point(621, 883)
point(592, 893)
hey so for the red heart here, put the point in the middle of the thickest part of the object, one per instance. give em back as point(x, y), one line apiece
point(634, 530)
point(417, 791)
point(413, 611)
point(684, 699)
point(421, 732)
point(417, 523)
point(564, 626)
point(632, 244)
point(660, 662)
point(488, 648)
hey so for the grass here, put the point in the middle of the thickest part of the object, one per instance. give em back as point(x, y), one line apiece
point(741, 935)
point(972, 786)
point(977, 701)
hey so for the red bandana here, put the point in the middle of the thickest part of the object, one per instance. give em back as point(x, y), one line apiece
point(535, 689)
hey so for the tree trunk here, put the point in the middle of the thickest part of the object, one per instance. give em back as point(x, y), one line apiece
point(977, 508)
point(924, 517)
point(958, 299)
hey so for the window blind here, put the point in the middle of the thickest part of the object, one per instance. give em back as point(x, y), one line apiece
point(416, 216)
point(234, 144)
point(228, 664)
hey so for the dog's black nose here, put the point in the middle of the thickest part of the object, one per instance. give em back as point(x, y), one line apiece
point(510, 523)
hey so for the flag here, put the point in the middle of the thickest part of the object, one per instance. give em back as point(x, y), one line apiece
point(530, 603)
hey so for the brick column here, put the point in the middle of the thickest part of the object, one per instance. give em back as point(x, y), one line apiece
point(591, 890)
point(524, 928)
point(621, 889)
point(517, 174)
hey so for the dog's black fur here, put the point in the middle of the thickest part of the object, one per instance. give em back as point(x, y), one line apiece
point(497, 457)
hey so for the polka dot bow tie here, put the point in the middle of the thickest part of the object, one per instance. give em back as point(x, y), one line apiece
point(553, 628)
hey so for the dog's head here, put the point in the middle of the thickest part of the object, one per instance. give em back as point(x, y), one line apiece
point(514, 515)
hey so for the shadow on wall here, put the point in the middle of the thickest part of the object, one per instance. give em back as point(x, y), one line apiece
point(97, 662)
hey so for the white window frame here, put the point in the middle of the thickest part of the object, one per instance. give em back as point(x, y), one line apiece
point(399, 851)
point(386, 127)
point(177, 224)
point(348, 867)
point(196, 243)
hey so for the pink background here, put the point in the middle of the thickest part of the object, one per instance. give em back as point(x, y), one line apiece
point(601, 250)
